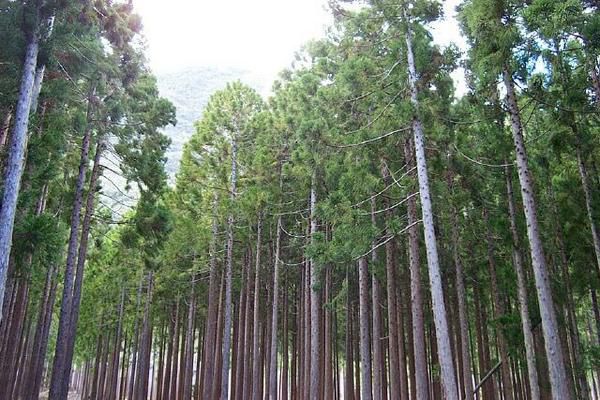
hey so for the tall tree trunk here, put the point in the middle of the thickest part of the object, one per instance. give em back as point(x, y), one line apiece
point(136, 338)
point(507, 388)
point(418, 327)
point(349, 373)
point(378, 365)
point(32, 389)
point(448, 374)
point(208, 364)
point(81, 258)
point(463, 323)
point(274, 316)
point(228, 280)
point(256, 325)
point(141, 392)
point(534, 386)
point(365, 348)
point(189, 350)
point(394, 361)
point(554, 351)
point(59, 367)
point(18, 146)
point(315, 296)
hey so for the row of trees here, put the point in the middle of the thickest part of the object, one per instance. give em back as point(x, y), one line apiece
point(82, 102)
point(361, 234)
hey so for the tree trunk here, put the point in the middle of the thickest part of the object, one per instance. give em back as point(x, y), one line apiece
point(208, 364)
point(274, 316)
point(378, 365)
point(59, 367)
point(554, 352)
point(256, 325)
point(534, 386)
point(463, 323)
point(18, 146)
point(315, 296)
point(41, 336)
point(189, 350)
point(81, 258)
point(365, 348)
point(499, 312)
point(228, 280)
point(448, 374)
point(349, 373)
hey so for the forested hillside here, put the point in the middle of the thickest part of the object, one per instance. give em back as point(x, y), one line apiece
point(361, 232)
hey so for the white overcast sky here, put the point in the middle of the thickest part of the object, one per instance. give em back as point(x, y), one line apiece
point(258, 35)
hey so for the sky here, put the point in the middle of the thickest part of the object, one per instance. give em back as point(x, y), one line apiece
point(258, 35)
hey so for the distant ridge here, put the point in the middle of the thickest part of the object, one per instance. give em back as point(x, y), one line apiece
point(189, 90)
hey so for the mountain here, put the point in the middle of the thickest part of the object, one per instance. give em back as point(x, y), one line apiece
point(189, 90)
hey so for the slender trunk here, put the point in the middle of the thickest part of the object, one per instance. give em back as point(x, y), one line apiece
point(349, 374)
point(554, 353)
point(418, 327)
point(463, 323)
point(274, 315)
point(228, 280)
point(81, 258)
point(166, 386)
point(394, 361)
point(499, 312)
point(41, 336)
point(256, 324)
point(365, 349)
point(208, 365)
point(534, 386)
point(447, 372)
point(18, 146)
point(136, 337)
point(189, 350)
point(315, 337)
point(247, 382)
point(378, 366)
point(59, 368)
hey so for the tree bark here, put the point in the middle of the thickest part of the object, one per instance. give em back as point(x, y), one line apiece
point(226, 349)
point(59, 367)
point(256, 325)
point(81, 258)
point(507, 387)
point(534, 386)
point(274, 316)
point(463, 323)
point(315, 296)
point(554, 351)
point(208, 364)
point(378, 365)
point(448, 374)
point(365, 348)
point(18, 145)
